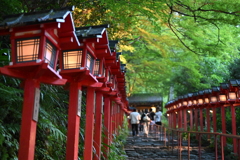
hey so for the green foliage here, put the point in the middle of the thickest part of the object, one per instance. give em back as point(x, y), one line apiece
point(229, 154)
point(10, 117)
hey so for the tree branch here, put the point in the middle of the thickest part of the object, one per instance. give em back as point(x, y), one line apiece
point(171, 27)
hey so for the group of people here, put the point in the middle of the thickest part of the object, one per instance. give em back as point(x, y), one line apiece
point(145, 121)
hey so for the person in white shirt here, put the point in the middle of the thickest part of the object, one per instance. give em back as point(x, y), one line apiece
point(134, 117)
point(157, 118)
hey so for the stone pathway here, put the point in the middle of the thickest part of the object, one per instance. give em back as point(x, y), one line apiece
point(152, 148)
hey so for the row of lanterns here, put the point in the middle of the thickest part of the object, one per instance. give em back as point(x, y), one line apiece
point(46, 44)
point(47, 48)
point(225, 93)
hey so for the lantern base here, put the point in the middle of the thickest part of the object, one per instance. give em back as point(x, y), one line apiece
point(32, 70)
point(102, 79)
point(82, 76)
point(112, 93)
point(109, 84)
point(104, 89)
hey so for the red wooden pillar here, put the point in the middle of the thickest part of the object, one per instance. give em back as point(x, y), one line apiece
point(170, 120)
point(73, 121)
point(107, 121)
point(174, 120)
point(234, 129)
point(196, 118)
point(117, 119)
point(208, 119)
point(214, 119)
point(28, 125)
point(191, 119)
point(201, 119)
point(98, 126)
point(111, 120)
point(88, 145)
point(120, 116)
point(185, 119)
point(113, 117)
point(180, 119)
point(223, 118)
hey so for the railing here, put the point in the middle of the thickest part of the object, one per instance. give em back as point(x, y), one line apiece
point(168, 135)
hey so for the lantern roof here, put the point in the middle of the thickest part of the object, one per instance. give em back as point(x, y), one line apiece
point(207, 91)
point(113, 45)
point(97, 35)
point(190, 95)
point(35, 18)
point(201, 92)
point(195, 94)
point(234, 82)
point(224, 85)
point(215, 88)
point(60, 19)
point(91, 31)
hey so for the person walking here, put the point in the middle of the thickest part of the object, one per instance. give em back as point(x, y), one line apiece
point(134, 119)
point(141, 123)
point(151, 115)
point(158, 118)
point(146, 122)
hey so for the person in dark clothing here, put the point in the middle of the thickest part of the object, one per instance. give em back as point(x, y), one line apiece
point(141, 123)
point(151, 115)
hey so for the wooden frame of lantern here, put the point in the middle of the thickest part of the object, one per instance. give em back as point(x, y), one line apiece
point(233, 91)
point(207, 93)
point(200, 99)
point(34, 50)
point(194, 99)
point(222, 97)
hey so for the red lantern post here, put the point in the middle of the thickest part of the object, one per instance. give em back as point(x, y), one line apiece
point(190, 110)
point(232, 98)
point(184, 111)
point(207, 100)
point(200, 106)
point(194, 109)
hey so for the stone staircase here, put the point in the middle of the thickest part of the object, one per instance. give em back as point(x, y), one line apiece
point(153, 148)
